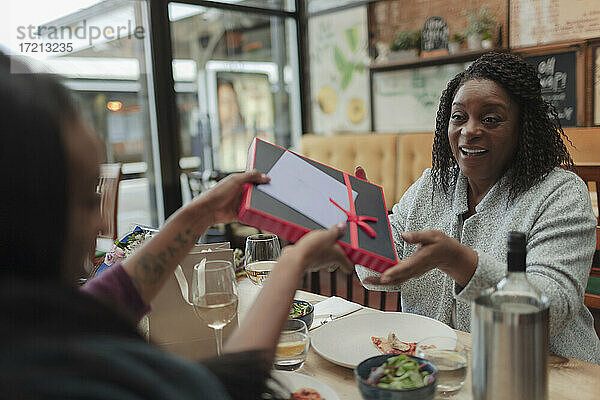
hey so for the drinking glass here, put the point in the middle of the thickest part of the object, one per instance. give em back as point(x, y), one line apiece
point(293, 345)
point(451, 359)
point(262, 252)
point(215, 296)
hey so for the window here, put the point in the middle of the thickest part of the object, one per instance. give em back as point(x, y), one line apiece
point(101, 51)
point(242, 70)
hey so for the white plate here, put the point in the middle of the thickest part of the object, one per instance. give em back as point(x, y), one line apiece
point(347, 341)
point(294, 381)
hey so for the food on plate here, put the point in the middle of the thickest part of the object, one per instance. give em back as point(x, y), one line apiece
point(299, 309)
point(400, 372)
point(306, 394)
point(393, 345)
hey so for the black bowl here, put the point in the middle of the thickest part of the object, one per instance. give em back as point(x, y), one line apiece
point(370, 392)
point(308, 317)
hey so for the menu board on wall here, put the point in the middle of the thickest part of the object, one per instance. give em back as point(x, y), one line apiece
point(558, 80)
point(339, 80)
point(537, 22)
point(407, 100)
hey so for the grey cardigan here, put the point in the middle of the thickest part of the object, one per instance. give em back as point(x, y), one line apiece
point(556, 214)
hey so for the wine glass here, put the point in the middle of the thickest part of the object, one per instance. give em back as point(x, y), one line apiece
point(450, 357)
point(292, 347)
point(262, 252)
point(215, 296)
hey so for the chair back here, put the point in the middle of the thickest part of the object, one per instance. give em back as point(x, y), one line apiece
point(108, 187)
point(590, 174)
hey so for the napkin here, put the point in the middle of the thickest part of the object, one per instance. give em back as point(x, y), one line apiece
point(336, 306)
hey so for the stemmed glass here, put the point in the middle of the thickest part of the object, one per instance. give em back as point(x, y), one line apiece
point(262, 252)
point(215, 296)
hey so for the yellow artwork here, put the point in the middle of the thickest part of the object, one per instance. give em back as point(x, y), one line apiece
point(356, 110)
point(327, 99)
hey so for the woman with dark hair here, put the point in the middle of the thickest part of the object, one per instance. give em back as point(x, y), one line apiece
point(61, 342)
point(499, 165)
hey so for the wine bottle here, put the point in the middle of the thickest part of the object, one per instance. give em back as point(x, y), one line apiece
point(510, 333)
point(514, 293)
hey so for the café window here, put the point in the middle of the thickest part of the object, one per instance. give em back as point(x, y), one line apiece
point(111, 78)
point(242, 68)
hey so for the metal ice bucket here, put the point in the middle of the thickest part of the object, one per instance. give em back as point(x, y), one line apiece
point(510, 352)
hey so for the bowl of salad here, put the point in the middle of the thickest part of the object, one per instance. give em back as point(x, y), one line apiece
point(396, 377)
point(302, 310)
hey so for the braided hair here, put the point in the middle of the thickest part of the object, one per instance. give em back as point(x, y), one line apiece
point(540, 147)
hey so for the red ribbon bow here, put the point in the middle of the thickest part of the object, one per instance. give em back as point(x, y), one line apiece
point(358, 220)
point(355, 220)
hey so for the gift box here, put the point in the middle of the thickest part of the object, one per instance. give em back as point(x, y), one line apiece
point(305, 195)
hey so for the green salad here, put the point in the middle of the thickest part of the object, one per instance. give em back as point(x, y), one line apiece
point(299, 309)
point(400, 372)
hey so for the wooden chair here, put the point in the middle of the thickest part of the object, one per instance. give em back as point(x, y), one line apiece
point(591, 176)
point(337, 283)
point(108, 188)
point(591, 300)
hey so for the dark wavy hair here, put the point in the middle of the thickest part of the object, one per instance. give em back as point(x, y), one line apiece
point(34, 108)
point(540, 147)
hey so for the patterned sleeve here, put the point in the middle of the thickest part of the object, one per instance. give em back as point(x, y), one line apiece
point(397, 223)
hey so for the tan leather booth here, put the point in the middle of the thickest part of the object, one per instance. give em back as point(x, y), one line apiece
point(585, 145)
point(393, 161)
point(396, 161)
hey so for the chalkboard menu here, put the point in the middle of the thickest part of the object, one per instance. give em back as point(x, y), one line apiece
point(435, 34)
point(557, 77)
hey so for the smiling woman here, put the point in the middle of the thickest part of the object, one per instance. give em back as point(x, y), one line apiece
point(499, 165)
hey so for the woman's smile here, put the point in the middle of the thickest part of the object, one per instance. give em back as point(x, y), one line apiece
point(469, 152)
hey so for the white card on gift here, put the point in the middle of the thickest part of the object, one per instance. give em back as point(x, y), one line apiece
point(307, 189)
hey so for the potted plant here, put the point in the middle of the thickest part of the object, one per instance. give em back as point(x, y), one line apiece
point(481, 23)
point(486, 40)
point(455, 42)
point(405, 45)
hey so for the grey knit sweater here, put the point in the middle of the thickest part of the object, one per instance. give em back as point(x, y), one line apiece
point(556, 216)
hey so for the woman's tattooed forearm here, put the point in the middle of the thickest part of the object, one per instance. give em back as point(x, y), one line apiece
point(150, 268)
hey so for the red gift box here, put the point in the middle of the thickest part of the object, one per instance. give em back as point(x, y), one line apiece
point(367, 240)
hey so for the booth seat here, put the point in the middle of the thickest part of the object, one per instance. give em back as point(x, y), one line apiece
point(396, 160)
point(393, 161)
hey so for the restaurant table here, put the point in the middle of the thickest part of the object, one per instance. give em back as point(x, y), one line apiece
point(568, 378)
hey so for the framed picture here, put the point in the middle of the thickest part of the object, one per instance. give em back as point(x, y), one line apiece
point(407, 100)
point(241, 108)
point(538, 22)
point(339, 80)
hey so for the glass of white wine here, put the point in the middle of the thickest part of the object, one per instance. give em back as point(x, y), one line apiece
point(215, 296)
point(450, 357)
point(262, 252)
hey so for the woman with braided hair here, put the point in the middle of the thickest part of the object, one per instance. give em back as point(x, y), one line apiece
point(499, 165)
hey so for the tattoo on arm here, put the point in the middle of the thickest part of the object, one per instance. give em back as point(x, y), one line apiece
point(150, 268)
